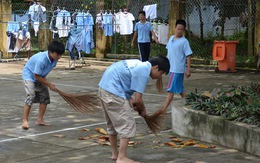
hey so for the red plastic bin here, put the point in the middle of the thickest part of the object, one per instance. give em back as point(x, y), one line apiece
point(225, 53)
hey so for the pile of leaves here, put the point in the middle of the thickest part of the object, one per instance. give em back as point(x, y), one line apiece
point(238, 103)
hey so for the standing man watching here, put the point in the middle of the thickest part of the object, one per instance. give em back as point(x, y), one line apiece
point(36, 84)
point(142, 30)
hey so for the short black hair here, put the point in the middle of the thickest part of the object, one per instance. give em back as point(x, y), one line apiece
point(56, 46)
point(162, 62)
point(141, 12)
point(180, 21)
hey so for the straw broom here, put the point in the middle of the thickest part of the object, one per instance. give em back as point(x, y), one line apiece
point(81, 103)
point(154, 121)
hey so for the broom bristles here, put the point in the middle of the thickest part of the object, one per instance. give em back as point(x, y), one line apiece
point(81, 103)
point(154, 121)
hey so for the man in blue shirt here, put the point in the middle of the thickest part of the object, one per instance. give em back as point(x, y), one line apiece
point(35, 82)
point(142, 30)
point(179, 55)
point(117, 85)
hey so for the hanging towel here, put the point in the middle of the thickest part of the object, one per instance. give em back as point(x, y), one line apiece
point(150, 11)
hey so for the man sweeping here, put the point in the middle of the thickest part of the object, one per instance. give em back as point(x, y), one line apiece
point(117, 85)
point(35, 83)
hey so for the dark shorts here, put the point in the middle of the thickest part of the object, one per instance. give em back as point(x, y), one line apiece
point(36, 93)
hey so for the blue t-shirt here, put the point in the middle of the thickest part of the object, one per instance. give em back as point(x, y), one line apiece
point(125, 77)
point(143, 31)
point(39, 64)
point(178, 50)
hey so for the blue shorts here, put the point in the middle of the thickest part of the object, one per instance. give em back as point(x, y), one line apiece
point(175, 84)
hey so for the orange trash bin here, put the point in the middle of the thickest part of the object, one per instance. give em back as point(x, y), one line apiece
point(225, 53)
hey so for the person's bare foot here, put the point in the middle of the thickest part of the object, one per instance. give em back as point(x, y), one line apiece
point(125, 160)
point(114, 156)
point(42, 123)
point(25, 125)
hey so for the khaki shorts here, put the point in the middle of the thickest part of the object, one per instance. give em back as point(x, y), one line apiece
point(36, 93)
point(117, 112)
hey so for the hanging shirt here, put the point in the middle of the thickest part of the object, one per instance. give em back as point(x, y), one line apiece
point(163, 31)
point(126, 23)
point(80, 20)
point(31, 11)
point(88, 21)
point(150, 11)
point(108, 24)
point(117, 22)
point(99, 20)
point(39, 14)
point(63, 22)
point(12, 27)
point(87, 38)
point(75, 39)
point(125, 77)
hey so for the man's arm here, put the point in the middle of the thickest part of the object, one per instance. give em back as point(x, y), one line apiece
point(45, 82)
point(155, 37)
point(134, 37)
point(188, 66)
point(139, 104)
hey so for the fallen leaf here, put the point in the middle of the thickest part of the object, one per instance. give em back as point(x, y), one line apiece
point(86, 129)
point(171, 144)
point(102, 142)
point(188, 143)
point(207, 94)
point(94, 136)
point(176, 140)
point(85, 138)
point(101, 130)
point(201, 146)
point(103, 137)
point(131, 142)
point(59, 136)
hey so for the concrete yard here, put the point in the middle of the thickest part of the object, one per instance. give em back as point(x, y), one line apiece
point(60, 142)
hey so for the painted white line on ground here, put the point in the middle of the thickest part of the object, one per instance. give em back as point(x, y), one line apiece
point(51, 132)
point(56, 131)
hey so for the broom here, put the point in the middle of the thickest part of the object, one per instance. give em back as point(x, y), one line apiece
point(153, 121)
point(81, 103)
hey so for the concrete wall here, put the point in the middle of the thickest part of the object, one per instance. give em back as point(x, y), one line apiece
point(5, 16)
point(198, 125)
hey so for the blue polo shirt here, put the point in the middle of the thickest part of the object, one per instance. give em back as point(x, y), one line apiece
point(177, 51)
point(125, 77)
point(143, 31)
point(39, 64)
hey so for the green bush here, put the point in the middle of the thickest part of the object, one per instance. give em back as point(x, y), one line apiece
point(238, 103)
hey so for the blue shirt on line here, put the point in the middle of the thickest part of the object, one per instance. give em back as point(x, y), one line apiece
point(39, 64)
point(125, 77)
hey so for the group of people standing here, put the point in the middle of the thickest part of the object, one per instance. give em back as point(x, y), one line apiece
point(119, 82)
